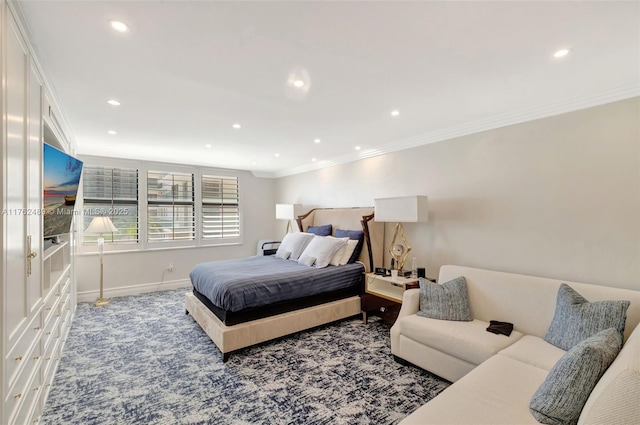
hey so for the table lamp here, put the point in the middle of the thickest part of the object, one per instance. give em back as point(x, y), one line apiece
point(287, 212)
point(101, 225)
point(403, 209)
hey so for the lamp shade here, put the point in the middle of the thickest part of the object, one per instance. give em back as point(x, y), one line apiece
point(101, 225)
point(287, 211)
point(402, 209)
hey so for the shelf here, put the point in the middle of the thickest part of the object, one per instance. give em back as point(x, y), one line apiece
point(53, 249)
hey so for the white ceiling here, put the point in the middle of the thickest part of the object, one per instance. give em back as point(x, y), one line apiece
point(187, 71)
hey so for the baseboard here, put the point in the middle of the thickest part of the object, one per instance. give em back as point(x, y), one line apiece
point(122, 291)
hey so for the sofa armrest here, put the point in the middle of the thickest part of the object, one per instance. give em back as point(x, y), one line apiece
point(410, 303)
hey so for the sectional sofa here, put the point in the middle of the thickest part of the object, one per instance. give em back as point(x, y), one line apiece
point(495, 376)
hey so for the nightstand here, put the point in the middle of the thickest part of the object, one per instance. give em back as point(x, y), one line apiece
point(383, 296)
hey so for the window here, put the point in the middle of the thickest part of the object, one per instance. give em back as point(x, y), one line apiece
point(170, 206)
point(111, 192)
point(220, 208)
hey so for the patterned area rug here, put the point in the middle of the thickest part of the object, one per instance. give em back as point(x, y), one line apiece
point(142, 360)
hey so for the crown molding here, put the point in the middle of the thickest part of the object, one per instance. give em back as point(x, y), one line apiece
point(558, 107)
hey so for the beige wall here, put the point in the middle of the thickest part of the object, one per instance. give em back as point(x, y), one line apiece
point(557, 197)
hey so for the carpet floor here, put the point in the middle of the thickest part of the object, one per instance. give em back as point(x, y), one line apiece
point(142, 360)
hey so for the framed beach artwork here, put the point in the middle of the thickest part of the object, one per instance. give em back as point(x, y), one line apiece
point(61, 177)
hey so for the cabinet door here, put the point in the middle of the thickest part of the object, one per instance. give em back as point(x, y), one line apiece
point(17, 71)
point(34, 190)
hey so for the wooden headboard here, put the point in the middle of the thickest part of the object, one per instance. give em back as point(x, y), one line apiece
point(351, 219)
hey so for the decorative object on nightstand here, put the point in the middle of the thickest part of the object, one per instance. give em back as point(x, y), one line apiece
point(404, 209)
point(288, 212)
point(101, 225)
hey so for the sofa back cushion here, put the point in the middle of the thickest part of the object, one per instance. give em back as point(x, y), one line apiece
point(529, 302)
point(615, 398)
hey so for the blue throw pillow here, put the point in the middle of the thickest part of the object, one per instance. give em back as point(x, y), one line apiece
point(576, 318)
point(447, 301)
point(320, 230)
point(561, 397)
point(356, 235)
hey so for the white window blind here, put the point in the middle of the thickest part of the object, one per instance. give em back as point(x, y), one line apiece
point(170, 206)
point(220, 208)
point(111, 192)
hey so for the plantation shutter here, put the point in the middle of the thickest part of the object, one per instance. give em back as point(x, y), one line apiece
point(220, 207)
point(170, 206)
point(111, 192)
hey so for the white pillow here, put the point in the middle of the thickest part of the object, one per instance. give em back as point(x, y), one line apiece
point(322, 248)
point(307, 261)
point(283, 254)
point(295, 243)
point(341, 257)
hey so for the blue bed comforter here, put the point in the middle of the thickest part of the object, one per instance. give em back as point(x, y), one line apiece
point(234, 285)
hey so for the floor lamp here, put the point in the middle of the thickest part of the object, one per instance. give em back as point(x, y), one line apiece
point(101, 225)
point(403, 209)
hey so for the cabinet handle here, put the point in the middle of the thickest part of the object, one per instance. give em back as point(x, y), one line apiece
point(30, 255)
point(17, 395)
point(49, 333)
point(37, 328)
point(36, 388)
point(48, 358)
point(36, 357)
point(18, 358)
point(49, 308)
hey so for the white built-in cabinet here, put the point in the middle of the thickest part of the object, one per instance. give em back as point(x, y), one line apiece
point(37, 291)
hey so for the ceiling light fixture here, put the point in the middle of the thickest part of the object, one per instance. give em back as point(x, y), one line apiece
point(276, 155)
point(313, 160)
point(112, 132)
point(357, 148)
point(119, 26)
point(561, 53)
point(298, 83)
point(207, 145)
point(395, 113)
point(316, 140)
point(113, 102)
point(236, 126)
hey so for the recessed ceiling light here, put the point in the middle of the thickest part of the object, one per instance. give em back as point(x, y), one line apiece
point(298, 83)
point(561, 53)
point(236, 126)
point(357, 148)
point(395, 113)
point(207, 145)
point(316, 140)
point(276, 155)
point(112, 132)
point(119, 26)
point(313, 160)
point(253, 163)
point(113, 102)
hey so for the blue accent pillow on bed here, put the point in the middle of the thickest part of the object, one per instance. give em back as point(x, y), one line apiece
point(321, 230)
point(357, 235)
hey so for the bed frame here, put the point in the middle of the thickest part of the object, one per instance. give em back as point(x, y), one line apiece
point(232, 338)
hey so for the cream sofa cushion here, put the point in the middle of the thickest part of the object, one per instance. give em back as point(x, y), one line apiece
point(468, 341)
point(535, 351)
point(497, 393)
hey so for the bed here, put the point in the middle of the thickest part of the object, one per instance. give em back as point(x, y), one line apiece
point(255, 315)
